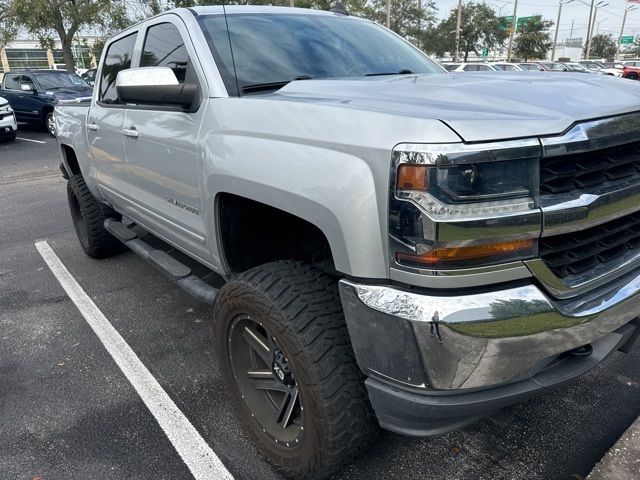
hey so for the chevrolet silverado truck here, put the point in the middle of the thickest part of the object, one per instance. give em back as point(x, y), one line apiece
point(385, 244)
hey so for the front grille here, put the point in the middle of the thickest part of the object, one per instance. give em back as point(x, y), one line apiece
point(585, 170)
point(576, 252)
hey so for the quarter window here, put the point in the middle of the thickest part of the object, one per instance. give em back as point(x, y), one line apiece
point(118, 58)
point(164, 47)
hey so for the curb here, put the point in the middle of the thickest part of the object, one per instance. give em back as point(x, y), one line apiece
point(622, 461)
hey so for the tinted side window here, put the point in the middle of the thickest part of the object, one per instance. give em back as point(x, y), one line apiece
point(471, 68)
point(28, 81)
point(118, 58)
point(12, 82)
point(164, 47)
point(483, 68)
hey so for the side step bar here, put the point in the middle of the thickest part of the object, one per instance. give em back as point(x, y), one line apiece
point(177, 272)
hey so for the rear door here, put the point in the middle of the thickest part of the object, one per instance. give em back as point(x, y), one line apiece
point(106, 118)
point(161, 143)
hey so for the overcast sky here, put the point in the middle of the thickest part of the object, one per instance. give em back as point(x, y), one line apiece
point(609, 17)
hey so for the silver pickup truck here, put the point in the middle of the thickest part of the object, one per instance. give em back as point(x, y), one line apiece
point(386, 244)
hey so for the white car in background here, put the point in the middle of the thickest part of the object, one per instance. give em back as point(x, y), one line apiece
point(507, 67)
point(601, 68)
point(8, 124)
point(469, 67)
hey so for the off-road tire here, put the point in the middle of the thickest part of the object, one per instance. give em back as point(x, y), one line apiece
point(301, 307)
point(88, 217)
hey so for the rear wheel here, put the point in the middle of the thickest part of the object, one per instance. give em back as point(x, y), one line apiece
point(88, 217)
point(633, 76)
point(286, 358)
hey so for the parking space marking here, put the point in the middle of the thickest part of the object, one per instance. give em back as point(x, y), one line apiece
point(196, 454)
point(30, 140)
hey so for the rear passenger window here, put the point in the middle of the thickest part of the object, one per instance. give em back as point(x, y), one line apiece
point(164, 47)
point(119, 55)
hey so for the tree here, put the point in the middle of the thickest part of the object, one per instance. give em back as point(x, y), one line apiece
point(8, 28)
point(533, 40)
point(47, 19)
point(603, 45)
point(407, 18)
point(480, 28)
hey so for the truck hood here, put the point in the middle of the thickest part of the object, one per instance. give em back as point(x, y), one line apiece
point(478, 106)
point(70, 93)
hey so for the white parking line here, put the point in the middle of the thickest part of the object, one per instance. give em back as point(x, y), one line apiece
point(197, 455)
point(29, 140)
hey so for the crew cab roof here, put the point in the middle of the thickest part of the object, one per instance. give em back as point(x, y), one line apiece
point(234, 9)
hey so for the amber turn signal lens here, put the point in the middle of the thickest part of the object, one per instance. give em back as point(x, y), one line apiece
point(412, 177)
point(460, 254)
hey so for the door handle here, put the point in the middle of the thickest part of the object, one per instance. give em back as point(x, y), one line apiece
point(130, 132)
point(92, 126)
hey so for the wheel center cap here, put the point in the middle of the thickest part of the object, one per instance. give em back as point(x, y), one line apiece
point(280, 368)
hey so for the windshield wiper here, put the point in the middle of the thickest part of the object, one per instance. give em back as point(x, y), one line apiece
point(265, 87)
point(402, 71)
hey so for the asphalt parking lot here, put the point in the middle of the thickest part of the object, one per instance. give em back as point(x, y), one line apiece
point(68, 412)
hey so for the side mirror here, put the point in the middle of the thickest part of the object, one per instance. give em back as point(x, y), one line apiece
point(154, 86)
point(27, 87)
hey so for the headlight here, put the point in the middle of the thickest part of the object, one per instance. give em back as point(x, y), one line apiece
point(470, 204)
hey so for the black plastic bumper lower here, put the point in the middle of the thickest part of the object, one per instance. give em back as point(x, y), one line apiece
point(423, 414)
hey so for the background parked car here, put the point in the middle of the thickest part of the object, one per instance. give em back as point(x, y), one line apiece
point(470, 67)
point(532, 66)
point(507, 67)
point(632, 73)
point(602, 68)
point(554, 66)
point(8, 124)
point(33, 93)
point(575, 67)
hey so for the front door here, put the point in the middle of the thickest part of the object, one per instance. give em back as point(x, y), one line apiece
point(161, 146)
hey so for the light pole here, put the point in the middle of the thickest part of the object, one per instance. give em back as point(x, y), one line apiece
point(592, 23)
point(513, 30)
point(555, 37)
point(624, 21)
point(456, 54)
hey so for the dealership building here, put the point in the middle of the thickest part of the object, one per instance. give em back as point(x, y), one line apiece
point(28, 53)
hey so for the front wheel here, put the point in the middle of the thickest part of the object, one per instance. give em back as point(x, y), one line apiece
point(287, 361)
point(633, 76)
point(50, 124)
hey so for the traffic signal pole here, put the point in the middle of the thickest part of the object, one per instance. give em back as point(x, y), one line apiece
point(586, 57)
point(555, 37)
point(456, 54)
point(513, 30)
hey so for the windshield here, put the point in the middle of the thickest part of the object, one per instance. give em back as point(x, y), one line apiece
point(276, 48)
point(51, 81)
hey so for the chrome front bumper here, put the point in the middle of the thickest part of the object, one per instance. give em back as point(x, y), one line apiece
point(426, 342)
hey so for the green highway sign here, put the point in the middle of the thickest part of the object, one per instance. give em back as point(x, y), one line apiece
point(505, 22)
point(522, 20)
point(627, 39)
point(485, 52)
